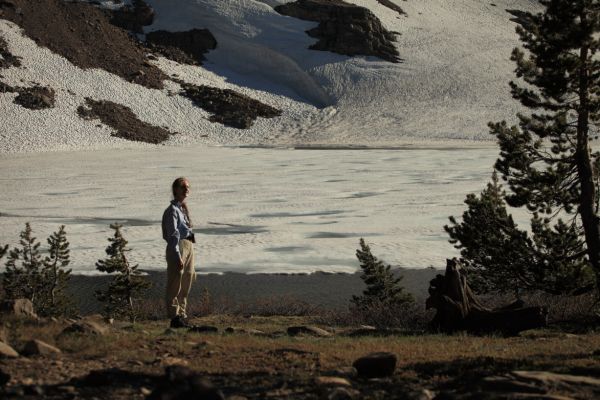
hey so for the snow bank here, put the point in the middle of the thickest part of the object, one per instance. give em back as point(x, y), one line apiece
point(454, 79)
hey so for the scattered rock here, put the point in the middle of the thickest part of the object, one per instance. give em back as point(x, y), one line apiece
point(37, 347)
point(203, 328)
point(375, 365)
point(344, 28)
point(18, 308)
point(186, 47)
point(308, 330)
point(7, 352)
point(125, 123)
point(36, 97)
point(227, 106)
point(331, 381)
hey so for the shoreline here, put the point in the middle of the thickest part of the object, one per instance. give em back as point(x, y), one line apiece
point(331, 290)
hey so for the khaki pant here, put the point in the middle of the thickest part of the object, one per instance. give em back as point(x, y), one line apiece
point(179, 281)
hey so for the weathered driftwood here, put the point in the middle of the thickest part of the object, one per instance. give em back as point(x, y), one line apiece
point(459, 310)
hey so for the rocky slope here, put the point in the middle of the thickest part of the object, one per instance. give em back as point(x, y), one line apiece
point(331, 68)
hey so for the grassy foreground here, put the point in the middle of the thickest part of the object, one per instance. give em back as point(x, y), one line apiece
point(246, 365)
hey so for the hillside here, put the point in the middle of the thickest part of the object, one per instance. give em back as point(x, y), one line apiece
point(108, 74)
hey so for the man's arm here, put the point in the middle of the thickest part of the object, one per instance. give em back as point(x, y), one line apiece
point(172, 235)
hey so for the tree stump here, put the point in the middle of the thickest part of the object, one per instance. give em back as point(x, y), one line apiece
point(459, 310)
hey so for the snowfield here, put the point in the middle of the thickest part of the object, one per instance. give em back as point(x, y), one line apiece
point(269, 209)
point(453, 80)
point(254, 210)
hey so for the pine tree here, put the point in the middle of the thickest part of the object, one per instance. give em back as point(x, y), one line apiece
point(383, 288)
point(547, 159)
point(56, 276)
point(127, 283)
point(22, 278)
point(498, 256)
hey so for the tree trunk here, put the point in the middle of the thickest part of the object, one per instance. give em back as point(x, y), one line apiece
point(459, 310)
point(587, 202)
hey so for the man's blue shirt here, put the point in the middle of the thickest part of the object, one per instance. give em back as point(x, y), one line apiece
point(175, 226)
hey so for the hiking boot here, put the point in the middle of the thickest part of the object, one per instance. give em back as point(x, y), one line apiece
point(179, 322)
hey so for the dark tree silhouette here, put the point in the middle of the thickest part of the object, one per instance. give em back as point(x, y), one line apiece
point(127, 283)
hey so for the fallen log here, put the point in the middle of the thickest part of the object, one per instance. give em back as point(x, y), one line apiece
point(458, 309)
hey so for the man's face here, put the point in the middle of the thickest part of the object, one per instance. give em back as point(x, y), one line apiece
point(182, 191)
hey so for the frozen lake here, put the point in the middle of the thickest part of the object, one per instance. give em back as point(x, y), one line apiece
point(254, 210)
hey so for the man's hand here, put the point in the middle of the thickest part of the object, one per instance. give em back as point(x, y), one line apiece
point(180, 264)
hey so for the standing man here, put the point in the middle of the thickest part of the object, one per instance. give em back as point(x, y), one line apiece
point(177, 231)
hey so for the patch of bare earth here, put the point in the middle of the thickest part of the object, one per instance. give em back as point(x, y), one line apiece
point(84, 35)
point(227, 106)
point(125, 123)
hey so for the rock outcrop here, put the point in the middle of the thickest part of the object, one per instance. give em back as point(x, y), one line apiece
point(227, 106)
point(344, 28)
point(186, 47)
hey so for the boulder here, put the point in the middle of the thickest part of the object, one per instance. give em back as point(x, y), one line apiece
point(308, 330)
point(376, 365)
point(37, 347)
point(7, 352)
point(18, 308)
point(87, 327)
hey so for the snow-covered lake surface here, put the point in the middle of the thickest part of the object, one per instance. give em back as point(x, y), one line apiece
point(254, 209)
